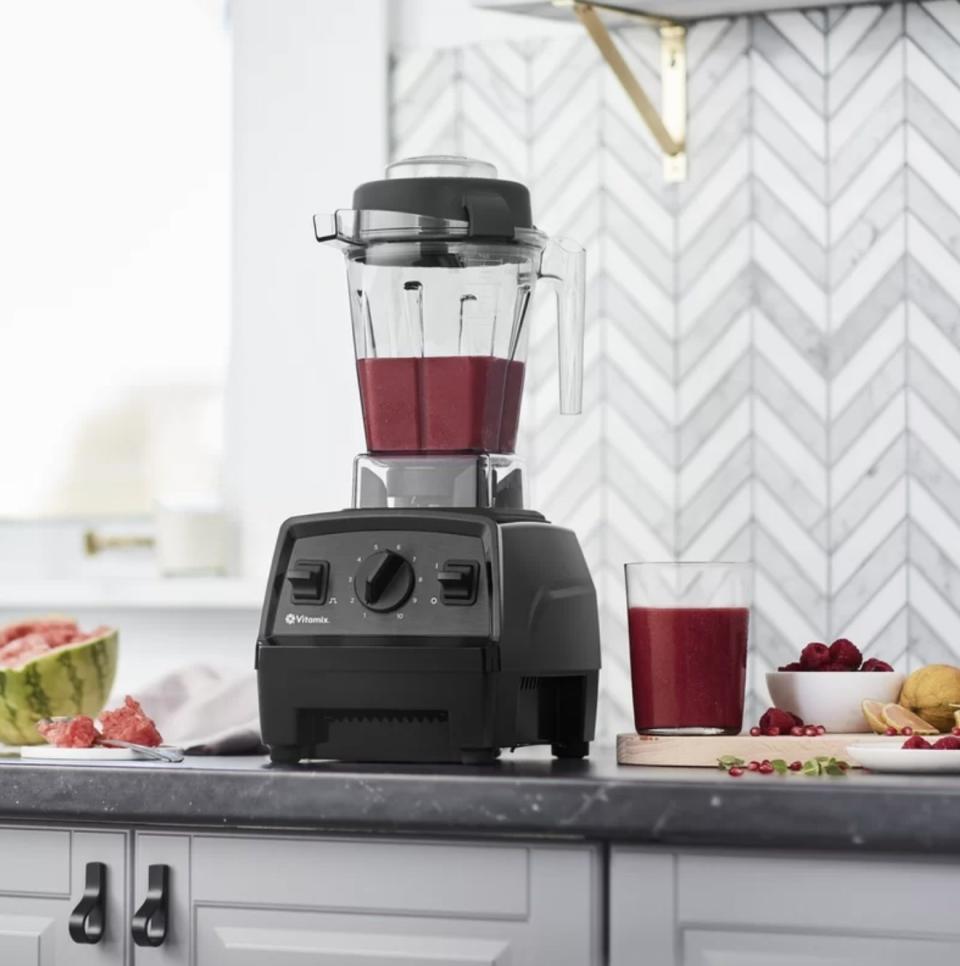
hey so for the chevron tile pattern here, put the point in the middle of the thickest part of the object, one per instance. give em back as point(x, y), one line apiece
point(789, 237)
point(773, 347)
point(933, 327)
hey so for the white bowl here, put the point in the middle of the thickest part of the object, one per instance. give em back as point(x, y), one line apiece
point(832, 698)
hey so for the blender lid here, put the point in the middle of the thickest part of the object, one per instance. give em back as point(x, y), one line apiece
point(436, 195)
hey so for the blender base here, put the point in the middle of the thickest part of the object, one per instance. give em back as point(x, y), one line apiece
point(437, 678)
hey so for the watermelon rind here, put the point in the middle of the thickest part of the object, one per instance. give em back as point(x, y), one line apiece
point(73, 679)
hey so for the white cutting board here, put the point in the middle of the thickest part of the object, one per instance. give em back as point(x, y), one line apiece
point(52, 753)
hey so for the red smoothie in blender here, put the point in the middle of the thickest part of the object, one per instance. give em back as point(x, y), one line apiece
point(688, 666)
point(441, 403)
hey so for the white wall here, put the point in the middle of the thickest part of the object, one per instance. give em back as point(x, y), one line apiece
point(310, 123)
point(453, 23)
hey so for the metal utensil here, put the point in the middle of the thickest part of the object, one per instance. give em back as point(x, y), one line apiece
point(153, 753)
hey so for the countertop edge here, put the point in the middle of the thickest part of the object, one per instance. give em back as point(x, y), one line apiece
point(681, 811)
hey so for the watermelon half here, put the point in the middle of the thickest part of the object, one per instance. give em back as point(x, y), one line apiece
point(67, 680)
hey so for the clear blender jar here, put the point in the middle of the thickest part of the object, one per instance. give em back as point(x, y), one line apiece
point(443, 261)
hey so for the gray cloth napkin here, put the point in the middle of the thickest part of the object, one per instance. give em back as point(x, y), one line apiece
point(205, 711)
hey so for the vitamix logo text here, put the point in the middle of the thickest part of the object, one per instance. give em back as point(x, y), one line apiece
point(305, 619)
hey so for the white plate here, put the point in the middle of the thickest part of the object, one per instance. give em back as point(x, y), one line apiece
point(878, 758)
point(52, 753)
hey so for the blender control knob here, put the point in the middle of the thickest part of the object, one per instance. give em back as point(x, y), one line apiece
point(384, 581)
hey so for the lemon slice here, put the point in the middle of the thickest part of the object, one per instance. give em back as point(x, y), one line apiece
point(873, 712)
point(898, 717)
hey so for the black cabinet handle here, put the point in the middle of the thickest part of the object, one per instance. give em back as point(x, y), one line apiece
point(149, 925)
point(88, 918)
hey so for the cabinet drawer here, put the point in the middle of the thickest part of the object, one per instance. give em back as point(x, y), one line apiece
point(489, 881)
point(756, 891)
point(283, 901)
point(35, 861)
point(764, 910)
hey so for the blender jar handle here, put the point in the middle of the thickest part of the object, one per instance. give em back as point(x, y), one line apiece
point(563, 267)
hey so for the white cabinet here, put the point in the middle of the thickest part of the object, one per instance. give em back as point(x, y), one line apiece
point(696, 909)
point(255, 899)
point(42, 878)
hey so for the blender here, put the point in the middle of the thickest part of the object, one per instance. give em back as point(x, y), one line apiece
point(438, 619)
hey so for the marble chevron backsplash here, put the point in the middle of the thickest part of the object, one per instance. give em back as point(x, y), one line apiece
point(773, 349)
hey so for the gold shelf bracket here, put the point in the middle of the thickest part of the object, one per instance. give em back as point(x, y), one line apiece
point(669, 125)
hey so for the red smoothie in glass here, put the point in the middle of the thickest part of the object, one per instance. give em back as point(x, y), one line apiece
point(688, 666)
point(441, 404)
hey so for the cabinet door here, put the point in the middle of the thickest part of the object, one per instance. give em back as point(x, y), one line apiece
point(780, 909)
point(257, 899)
point(42, 877)
point(173, 851)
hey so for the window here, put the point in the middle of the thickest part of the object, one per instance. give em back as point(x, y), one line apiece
point(114, 252)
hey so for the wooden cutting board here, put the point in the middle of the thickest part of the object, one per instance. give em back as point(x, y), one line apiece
point(696, 751)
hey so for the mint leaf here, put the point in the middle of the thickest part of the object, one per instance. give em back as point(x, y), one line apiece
point(835, 770)
point(729, 761)
point(811, 767)
point(779, 766)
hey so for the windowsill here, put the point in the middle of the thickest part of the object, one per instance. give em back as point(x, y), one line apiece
point(184, 593)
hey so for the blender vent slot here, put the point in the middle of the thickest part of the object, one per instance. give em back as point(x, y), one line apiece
point(529, 683)
point(382, 715)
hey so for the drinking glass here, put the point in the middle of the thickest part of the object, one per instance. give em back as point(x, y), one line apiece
point(688, 626)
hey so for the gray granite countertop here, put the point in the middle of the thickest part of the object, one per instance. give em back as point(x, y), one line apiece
point(525, 795)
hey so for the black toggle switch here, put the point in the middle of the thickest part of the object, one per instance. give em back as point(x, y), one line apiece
point(308, 582)
point(458, 581)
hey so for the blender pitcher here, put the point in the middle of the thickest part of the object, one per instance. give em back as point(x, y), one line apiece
point(442, 263)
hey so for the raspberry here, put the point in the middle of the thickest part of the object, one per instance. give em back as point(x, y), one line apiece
point(946, 743)
point(835, 666)
point(792, 666)
point(890, 732)
point(918, 741)
point(783, 721)
point(955, 731)
point(753, 765)
point(734, 772)
point(814, 656)
point(810, 731)
point(796, 731)
point(821, 730)
point(755, 731)
point(765, 768)
point(906, 731)
point(772, 732)
point(874, 664)
point(796, 766)
point(846, 653)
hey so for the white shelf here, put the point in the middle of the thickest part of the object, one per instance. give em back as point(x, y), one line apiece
point(681, 10)
point(113, 593)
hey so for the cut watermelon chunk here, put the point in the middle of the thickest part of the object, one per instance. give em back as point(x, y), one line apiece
point(78, 732)
point(129, 723)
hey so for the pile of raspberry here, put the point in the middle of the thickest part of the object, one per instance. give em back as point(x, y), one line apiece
point(841, 655)
point(949, 742)
point(775, 722)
